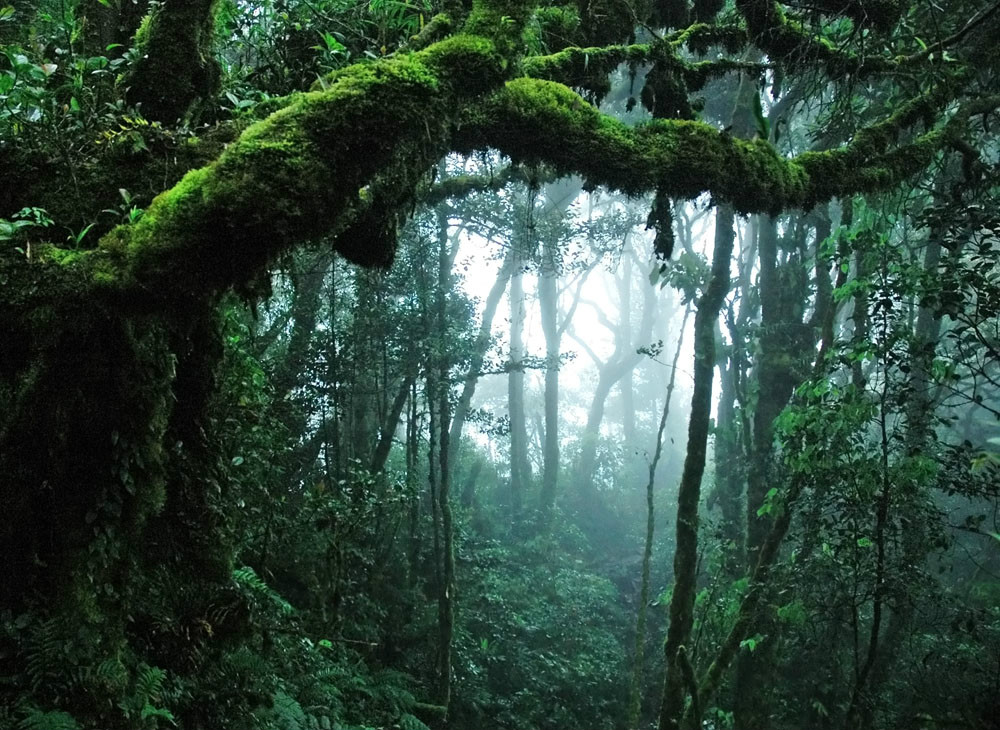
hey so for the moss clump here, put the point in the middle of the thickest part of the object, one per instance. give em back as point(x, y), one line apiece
point(175, 67)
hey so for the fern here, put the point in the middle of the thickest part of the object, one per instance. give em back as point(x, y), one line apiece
point(148, 684)
point(411, 722)
point(110, 674)
point(157, 713)
point(45, 655)
point(244, 664)
point(247, 578)
point(289, 712)
point(35, 719)
point(147, 691)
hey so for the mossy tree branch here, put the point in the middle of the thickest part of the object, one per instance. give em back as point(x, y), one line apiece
point(308, 170)
point(532, 120)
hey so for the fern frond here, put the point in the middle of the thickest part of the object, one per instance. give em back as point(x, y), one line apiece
point(289, 712)
point(148, 684)
point(411, 722)
point(247, 578)
point(35, 719)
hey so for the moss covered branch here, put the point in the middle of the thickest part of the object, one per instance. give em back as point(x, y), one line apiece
point(307, 170)
point(532, 120)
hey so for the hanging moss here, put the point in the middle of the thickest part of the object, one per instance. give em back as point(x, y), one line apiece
point(704, 11)
point(879, 14)
point(661, 220)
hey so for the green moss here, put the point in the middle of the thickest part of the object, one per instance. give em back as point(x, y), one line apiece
point(557, 26)
point(502, 23)
point(573, 66)
point(534, 121)
point(295, 175)
point(175, 65)
point(439, 26)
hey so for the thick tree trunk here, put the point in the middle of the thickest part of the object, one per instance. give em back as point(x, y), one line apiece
point(175, 65)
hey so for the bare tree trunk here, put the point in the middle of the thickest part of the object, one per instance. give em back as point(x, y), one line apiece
point(623, 361)
point(388, 430)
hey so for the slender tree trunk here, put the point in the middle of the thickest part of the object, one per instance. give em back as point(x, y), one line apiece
point(388, 430)
point(478, 356)
point(520, 470)
point(625, 385)
point(548, 304)
point(728, 484)
point(412, 433)
point(635, 693)
point(446, 596)
point(676, 684)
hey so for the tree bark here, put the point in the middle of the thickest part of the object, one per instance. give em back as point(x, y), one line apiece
point(689, 493)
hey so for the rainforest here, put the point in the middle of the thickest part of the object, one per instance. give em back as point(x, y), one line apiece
point(499, 364)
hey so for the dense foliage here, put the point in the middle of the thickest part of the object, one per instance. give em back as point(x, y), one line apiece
point(418, 364)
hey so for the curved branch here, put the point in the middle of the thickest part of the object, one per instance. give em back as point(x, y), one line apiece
point(538, 120)
point(318, 164)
